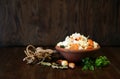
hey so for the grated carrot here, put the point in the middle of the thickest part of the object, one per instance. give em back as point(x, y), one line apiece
point(90, 42)
point(74, 46)
point(89, 47)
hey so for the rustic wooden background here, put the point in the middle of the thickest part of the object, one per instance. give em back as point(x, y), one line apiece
point(46, 22)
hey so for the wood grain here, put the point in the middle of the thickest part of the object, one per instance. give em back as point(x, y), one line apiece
point(12, 67)
point(46, 22)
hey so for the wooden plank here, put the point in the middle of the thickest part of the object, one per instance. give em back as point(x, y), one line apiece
point(12, 67)
point(46, 22)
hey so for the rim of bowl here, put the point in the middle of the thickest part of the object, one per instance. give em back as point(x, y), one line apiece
point(75, 51)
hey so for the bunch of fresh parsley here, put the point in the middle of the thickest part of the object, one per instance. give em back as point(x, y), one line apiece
point(92, 63)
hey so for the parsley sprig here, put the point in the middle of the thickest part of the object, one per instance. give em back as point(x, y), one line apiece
point(91, 64)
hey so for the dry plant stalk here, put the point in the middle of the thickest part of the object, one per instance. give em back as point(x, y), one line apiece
point(37, 54)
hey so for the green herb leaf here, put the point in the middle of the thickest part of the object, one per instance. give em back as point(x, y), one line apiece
point(101, 61)
point(62, 46)
point(90, 64)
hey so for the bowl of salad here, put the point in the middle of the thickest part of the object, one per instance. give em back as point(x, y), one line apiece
point(77, 46)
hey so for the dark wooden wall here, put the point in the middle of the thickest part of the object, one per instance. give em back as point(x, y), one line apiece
point(46, 22)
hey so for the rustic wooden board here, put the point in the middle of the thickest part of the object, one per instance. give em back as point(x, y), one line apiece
point(12, 67)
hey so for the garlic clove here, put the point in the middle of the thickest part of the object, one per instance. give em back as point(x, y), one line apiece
point(71, 65)
point(64, 63)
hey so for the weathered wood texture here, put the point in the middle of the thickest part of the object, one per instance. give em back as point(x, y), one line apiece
point(12, 67)
point(46, 22)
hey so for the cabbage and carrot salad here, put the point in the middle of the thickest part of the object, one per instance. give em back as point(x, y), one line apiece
point(76, 41)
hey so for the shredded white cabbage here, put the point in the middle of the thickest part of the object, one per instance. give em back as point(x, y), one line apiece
point(76, 38)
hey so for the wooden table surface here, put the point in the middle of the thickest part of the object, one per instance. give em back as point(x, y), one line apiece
point(12, 67)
